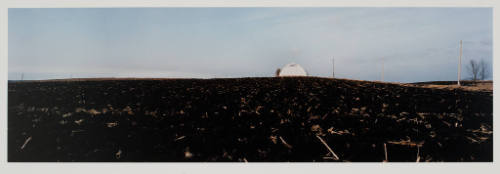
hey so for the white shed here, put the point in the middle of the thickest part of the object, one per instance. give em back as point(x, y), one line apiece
point(292, 69)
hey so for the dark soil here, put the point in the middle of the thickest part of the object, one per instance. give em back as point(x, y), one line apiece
point(245, 119)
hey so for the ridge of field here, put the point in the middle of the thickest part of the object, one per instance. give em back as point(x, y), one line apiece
point(246, 119)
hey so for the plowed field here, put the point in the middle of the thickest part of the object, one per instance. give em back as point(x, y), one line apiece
point(246, 119)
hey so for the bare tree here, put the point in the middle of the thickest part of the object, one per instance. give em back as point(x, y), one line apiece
point(478, 70)
point(473, 69)
point(484, 70)
point(278, 72)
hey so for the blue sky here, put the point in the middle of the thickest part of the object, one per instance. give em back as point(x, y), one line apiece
point(415, 44)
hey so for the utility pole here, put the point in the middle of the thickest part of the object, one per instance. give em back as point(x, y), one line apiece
point(333, 67)
point(459, 64)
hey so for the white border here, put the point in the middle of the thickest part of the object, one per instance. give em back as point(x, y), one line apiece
point(236, 167)
point(246, 3)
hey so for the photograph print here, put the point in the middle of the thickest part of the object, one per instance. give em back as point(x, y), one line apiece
point(241, 84)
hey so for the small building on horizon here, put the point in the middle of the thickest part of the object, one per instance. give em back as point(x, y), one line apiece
point(291, 70)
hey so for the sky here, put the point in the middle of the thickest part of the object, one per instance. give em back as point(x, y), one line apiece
point(411, 44)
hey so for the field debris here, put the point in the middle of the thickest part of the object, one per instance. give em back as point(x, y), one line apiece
point(128, 110)
point(26, 142)
point(66, 115)
point(407, 143)
point(79, 122)
point(385, 153)
point(77, 131)
point(274, 139)
point(187, 153)
point(335, 157)
point(180, 138)
point(340, 132)
point(93, 112)
point(63, 122)
point(118, 154)
point(418, 154)
point(285, 143)
point(113, 124)
point(247, 119)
